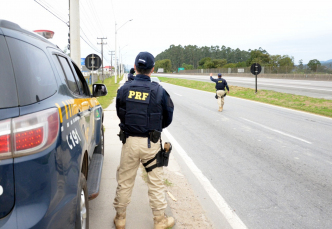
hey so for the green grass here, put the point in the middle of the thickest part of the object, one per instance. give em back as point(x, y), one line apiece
point(297, 102)
point(112, 88)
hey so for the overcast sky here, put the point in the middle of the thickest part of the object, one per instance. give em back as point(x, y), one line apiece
point(302, 29)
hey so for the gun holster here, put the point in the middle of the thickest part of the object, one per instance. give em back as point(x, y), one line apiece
point(154, 136)
point(122, 136)
point(216, 96)
point(162, 157)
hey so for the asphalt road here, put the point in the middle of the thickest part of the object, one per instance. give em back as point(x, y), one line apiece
point(315, 89)
point(271, 165)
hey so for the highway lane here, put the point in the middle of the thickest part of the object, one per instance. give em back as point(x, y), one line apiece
point(315, 89)
point(271, 165)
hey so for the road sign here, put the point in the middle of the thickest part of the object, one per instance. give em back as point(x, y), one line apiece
point(82, 61)
point(255, 69)
point(180, 69)
point(93, 62)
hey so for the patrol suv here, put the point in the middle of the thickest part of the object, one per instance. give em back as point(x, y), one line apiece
point(51, 134)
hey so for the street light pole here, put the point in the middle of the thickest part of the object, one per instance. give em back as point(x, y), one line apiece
point(116, 59)
point(120, 57)
point(116, 63)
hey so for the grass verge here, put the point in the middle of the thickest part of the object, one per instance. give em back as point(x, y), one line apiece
point(297, 102)
point(112, 88)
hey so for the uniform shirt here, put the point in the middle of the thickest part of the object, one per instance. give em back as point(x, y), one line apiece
point(220, 83)
point(166, 102)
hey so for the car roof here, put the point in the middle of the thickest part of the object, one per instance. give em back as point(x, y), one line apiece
point(7, 27)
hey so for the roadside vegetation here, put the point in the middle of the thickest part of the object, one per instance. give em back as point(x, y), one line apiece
point(112, 88)
point(297, 102)
point(193, 57)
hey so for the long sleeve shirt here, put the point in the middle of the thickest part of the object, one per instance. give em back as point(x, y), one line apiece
point(220, 83)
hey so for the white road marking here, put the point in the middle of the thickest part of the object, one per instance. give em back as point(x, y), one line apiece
point(221, 204)
point(61, 128)
point(277, 131)
point(261, 103)
point(283, 86)
point(177, 94)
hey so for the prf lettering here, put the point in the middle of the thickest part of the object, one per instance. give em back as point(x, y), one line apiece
point(220, 81)
point(138, 95)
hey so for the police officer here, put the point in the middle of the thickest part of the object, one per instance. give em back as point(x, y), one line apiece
point(144, 107)
point(131, 74)
point(220, 86)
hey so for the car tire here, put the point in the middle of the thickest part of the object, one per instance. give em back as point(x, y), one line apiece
point(82, 212)
point(100, 147)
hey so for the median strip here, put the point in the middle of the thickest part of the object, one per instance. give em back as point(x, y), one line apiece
point(297, 102)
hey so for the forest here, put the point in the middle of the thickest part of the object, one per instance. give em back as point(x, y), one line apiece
point(194, 57)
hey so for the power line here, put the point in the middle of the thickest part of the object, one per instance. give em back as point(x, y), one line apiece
point(96, 16)
point(89, 20)
point(57, 11)
point(47, 7)
point(52, 13)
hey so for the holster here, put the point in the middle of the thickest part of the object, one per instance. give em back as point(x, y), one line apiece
point(216, 96)
point(154, 136)
point(122, 136)
point(162, 157)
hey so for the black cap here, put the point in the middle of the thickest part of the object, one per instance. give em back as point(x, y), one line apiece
point(132, 71)
point(144, 60)
point(219, 74)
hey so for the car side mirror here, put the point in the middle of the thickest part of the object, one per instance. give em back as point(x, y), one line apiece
point(99, 90)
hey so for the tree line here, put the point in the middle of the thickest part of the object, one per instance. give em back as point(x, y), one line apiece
point(194, 57)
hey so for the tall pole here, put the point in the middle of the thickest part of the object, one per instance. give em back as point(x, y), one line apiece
point(119, 62)
point(111, 53)
point(102, 56)
point(74, 21)
point(116, 63)
point(116, 59)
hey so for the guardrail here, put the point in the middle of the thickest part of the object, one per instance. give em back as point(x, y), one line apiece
point(295, 76)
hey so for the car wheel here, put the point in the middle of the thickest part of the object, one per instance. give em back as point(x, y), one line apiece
point(100, 147)
point(82, 212)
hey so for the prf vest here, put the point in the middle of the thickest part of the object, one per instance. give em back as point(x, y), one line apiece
point(143, 111)
point(220, 84)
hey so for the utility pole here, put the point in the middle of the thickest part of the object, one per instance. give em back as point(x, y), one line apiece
point(115, 72)
point(74, 30)
point(102, 56)
point(112, 54)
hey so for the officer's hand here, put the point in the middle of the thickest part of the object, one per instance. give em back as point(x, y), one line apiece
point(210, 74)
point(228, 92)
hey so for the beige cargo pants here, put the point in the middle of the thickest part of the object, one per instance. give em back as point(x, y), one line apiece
point(221, 93)
point(133, 152)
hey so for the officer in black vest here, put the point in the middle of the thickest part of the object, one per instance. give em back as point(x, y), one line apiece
point(221, 84)
point(144, 109)
point(131, 74)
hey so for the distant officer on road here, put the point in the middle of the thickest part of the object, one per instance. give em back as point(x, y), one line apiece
point(220, 86)
point(131, 74)
point(144, 109)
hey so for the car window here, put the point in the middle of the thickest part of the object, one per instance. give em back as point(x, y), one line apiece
point(8, 92)
point(71, 82)
point(80, 78)
point(33, 72)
